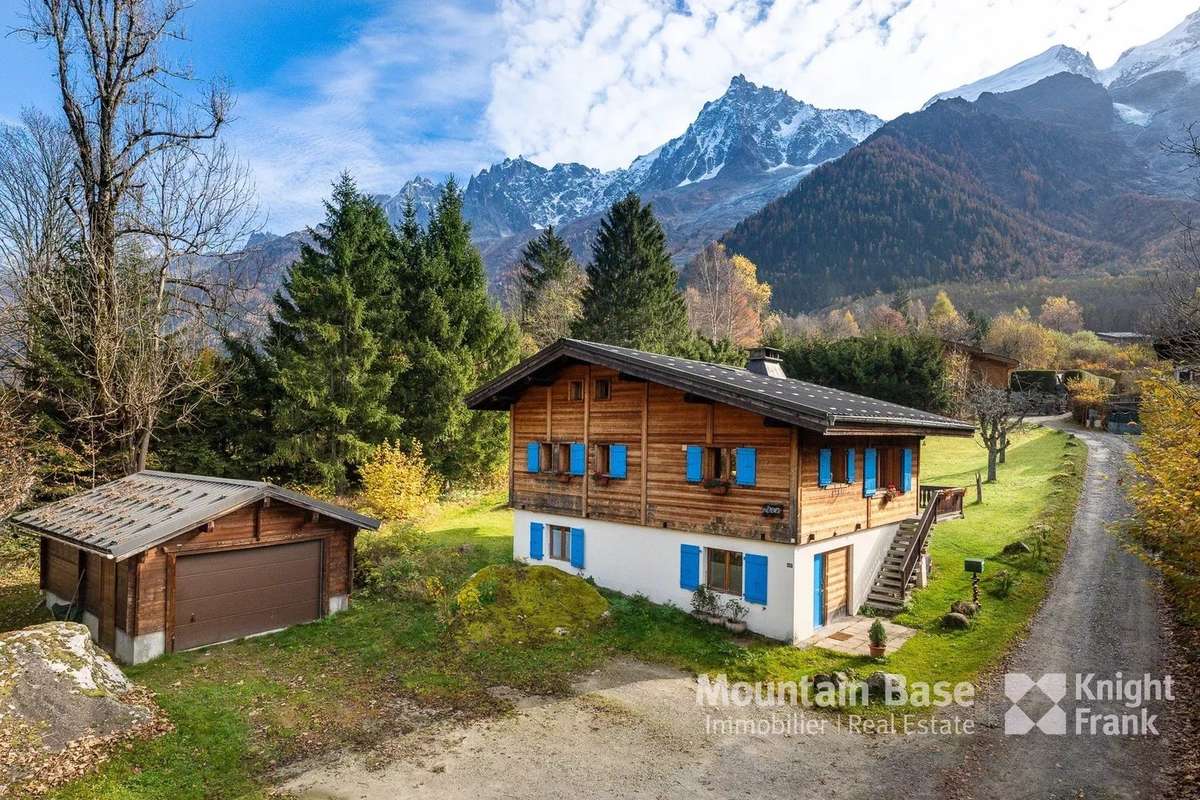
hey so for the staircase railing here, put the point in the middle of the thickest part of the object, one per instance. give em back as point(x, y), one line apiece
point(916, 546)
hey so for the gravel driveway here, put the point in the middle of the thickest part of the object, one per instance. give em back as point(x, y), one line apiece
point(636, 731)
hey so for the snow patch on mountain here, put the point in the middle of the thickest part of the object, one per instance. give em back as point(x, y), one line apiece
point(1058, 58)
point(1132, 115)
point(1178, 50)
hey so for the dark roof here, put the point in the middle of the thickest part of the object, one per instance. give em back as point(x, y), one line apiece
point(807, 405)
point(137, 512)
point(979, 352)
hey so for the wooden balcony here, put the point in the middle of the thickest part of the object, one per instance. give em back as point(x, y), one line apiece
point(949, 501)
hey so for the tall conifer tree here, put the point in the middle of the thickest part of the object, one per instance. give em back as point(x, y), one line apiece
point(454, 338)
point(545, 258)
point(632, 298)
point(327, 344)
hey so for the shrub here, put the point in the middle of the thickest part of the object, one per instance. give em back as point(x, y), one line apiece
point(506, 604)
point(1003, 583)
point(397, 482)
point(877, 634)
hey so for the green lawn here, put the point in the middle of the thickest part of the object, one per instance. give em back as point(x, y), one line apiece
point(241, 710)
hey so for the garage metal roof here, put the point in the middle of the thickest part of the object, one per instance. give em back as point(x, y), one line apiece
point(807, 405)
point(137, 512)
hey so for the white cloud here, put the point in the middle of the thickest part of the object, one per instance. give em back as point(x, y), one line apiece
point(602, 81)
point(405, 97)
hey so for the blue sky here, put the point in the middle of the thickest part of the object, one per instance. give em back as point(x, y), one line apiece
point(393, 88)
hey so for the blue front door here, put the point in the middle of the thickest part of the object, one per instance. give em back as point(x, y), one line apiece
point(818, 590)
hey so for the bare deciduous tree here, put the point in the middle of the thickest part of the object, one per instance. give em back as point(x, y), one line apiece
point(724, 298)
point(998, 412)
point(156, 200)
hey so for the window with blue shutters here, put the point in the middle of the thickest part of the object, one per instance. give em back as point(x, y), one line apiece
point(756, 579)
point(869, 471)
point(695, 463)
point(578, 458)
point(689, 567)
point(536, 534)
point(825, 467)
point(906, 471)
point(850, 476)
point(577, 548)
point(746, 469)
point(533, 457)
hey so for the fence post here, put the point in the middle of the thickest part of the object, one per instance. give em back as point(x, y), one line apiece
point(978, 487)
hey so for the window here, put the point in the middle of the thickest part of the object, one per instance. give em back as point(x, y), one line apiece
point(725, 571)
point(562, 457)
point(612, 460)
point(716, 464)
point(560, 543)
point(602, 390)
point(891, 468)
point(603, 453)
point(575, 390)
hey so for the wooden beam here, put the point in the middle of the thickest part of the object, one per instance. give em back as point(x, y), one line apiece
point(645, 439)
point(711, 427)
point(794, 484)
point(258, 520)
point(549, 414)
point(169, 601)
point(688, 397)
point(587, 434)
point(627, 378)
point(512, 453)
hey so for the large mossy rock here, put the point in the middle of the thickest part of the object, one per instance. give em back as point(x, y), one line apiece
point(506, 604)
point(60, 694)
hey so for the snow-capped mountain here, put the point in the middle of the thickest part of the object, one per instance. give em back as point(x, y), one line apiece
point(1176, 51)
point(745, 148)
point(1059, 58)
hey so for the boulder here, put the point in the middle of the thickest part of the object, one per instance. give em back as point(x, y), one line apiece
point(956, 622)
point(58, 689)
point(964, 608)
point(878, 683)
point(1018, 548)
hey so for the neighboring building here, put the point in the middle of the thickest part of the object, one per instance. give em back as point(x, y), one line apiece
point(157, 562)
point(1124, 337)
point(992, 368)
point(654, 474)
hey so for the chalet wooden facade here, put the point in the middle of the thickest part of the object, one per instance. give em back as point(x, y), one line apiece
point(158, 562)
point(654, 474)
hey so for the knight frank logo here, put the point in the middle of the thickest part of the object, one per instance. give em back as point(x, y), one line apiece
point(1114, 706)
point(1051, 687)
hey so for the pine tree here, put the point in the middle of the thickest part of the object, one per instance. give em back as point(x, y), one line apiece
point(545, 258)
point(454, 338)
point(632, 298)
point(327, 347)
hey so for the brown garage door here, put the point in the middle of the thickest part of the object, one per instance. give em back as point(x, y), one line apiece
point(227, 595)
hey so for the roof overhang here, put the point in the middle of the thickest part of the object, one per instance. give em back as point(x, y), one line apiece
point(500, 393)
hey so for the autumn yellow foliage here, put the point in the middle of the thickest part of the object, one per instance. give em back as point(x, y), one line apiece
point(1166, 493)
point(397, 482)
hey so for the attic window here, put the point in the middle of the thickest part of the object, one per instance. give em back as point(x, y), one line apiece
point(575, 390)
point(602, 390)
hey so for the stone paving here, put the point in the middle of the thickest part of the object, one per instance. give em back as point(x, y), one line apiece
point(850, 635)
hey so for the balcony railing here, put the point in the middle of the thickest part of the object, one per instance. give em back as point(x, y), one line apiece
point(949, 499)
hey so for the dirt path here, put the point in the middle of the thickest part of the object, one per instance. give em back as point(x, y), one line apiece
point(636, 731)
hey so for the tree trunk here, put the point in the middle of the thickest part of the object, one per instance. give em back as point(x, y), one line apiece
point(993, 453)
point(1003, 447)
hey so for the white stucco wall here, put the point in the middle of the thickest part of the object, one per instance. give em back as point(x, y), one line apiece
point(867, 551)
point(634, 559)
point(139, 649)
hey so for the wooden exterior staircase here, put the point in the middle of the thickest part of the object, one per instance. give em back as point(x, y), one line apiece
point(897, 576)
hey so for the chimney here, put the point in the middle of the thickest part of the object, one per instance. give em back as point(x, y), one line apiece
point(766, 361)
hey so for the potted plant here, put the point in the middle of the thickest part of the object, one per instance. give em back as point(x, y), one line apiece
point(716, 486)
point(735, 615)
point(878, 639)
point(890, 493)
point(712, 609)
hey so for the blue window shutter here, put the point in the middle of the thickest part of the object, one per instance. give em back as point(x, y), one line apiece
point(536, 537)
point(577, 548)
point(533, 457)
point(825, 467)
point(689, 567)
point(578, 458)
point(755, 572)
point(695, 462)
point(869, 472)
point(850, 476)
point(747, 466)
point(906, 475)
point(617, 458)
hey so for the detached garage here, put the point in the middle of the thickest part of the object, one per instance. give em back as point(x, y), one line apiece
point(158, 562)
